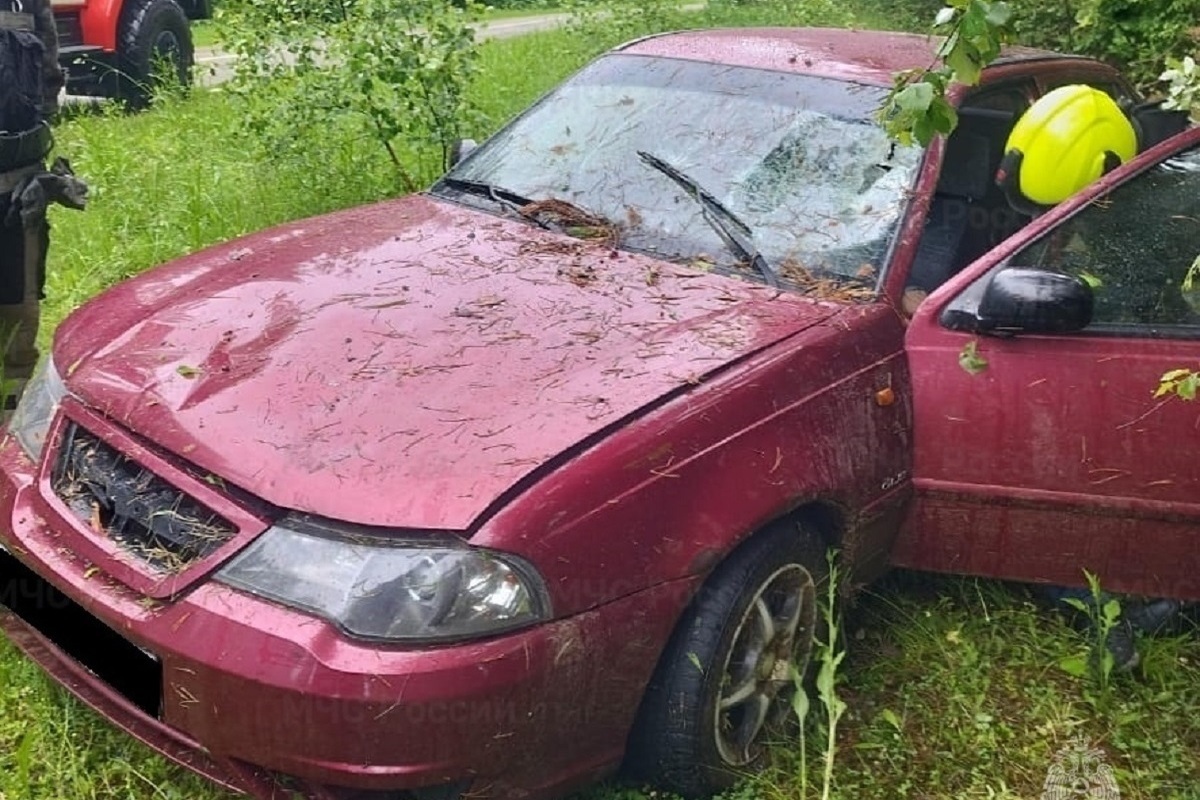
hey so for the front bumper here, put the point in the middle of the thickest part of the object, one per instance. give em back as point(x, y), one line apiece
point(267, 700)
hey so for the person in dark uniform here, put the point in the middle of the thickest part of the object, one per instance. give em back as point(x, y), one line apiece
point(30, 82)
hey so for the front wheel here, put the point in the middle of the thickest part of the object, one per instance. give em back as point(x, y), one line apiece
point(155, 42)
point(724, 683)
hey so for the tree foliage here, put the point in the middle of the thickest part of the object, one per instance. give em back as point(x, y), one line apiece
point(397, 71)
point(1183, 85)
point(918, 107)
point(1135, 35)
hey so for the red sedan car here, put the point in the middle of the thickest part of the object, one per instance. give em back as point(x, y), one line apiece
point(482, 491)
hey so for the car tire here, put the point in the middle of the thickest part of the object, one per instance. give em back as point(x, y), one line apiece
point(152, 32)
point(723, 683)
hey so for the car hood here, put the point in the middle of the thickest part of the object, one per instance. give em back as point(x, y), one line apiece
point(408, 363)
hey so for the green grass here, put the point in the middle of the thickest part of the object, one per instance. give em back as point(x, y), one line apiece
point(204, 34)
point(953, 685)
point(954, 691)
point(52, 747)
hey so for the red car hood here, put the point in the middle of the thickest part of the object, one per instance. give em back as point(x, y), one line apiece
point(404, 364)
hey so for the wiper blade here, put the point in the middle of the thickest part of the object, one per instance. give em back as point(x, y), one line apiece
point(550, 214)
point(735, 233)
point(500, 195)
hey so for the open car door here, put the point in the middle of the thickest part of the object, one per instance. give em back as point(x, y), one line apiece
point(1041, 448)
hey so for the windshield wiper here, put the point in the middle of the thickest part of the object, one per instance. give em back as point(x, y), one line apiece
point(736, 234)
point(501, 196)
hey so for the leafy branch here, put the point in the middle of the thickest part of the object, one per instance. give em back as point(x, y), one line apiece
point(394, 74)
point(917, 108)
point(1183, 85)
point(1183, 383)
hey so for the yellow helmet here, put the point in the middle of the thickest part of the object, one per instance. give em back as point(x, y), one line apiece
point(1066, 140)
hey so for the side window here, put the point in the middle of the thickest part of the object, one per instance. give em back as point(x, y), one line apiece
point(1139, 248)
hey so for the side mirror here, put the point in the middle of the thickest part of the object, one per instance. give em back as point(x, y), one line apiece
point(1025, 300)
point(460, 149)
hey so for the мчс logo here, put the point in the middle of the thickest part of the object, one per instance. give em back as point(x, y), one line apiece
point(1079, 772)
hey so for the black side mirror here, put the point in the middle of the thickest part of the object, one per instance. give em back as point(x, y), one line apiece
point(1025, 300)
point(460, 149)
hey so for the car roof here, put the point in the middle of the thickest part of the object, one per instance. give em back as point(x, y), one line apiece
point(856, 55)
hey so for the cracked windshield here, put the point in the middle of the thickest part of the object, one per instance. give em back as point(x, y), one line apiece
point(773, 177)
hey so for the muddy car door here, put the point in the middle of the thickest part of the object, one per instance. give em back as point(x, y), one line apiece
point(1042, 449)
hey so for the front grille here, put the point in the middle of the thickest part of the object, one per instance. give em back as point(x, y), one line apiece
point(134, 674)
point(121, 500)
point(70, 33)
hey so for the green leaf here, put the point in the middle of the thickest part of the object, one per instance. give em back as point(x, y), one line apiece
point(974, 25)
point(999, 14)
point(916, 97)
point(800, 704)
point(889, 716)
point(1091, 280)
point(944, 17)
point(1182, 382)
point(187, 372)
point(1076, 603)
point(965, 62)
point(942, 116)
point(1074, 665)
point(695, 659)
point(923, 130)
point(970, 360)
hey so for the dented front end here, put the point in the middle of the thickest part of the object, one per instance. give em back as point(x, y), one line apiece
point(256, 696)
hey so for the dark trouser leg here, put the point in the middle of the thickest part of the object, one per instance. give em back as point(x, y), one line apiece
point(19, 323)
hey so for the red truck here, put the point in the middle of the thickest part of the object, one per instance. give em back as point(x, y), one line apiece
point(481, 491)
point(112, 48)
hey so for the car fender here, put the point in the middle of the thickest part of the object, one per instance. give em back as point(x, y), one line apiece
point(673, 492)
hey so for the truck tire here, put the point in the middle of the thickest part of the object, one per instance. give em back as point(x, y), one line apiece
point(154, 35)
point(724, 682)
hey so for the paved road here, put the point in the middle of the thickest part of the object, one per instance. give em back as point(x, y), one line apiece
point(214, 66)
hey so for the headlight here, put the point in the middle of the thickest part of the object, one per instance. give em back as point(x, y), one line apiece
point(31, 421)
point(377, 589)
